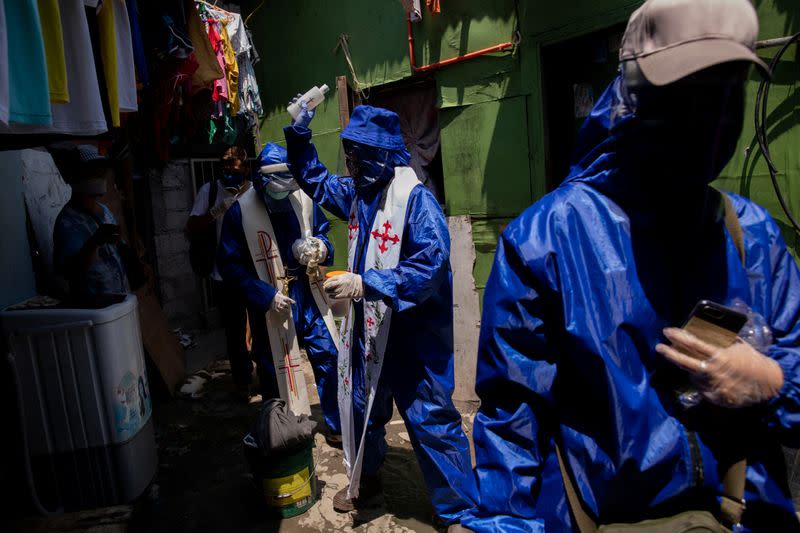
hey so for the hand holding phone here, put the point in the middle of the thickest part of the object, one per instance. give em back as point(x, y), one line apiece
point(724, 370)
point(107, 234)
point(715, 324)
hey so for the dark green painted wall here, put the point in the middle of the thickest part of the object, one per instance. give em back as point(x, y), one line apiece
point(491, 107)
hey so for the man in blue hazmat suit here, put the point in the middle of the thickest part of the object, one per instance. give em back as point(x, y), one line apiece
point(273, 183)
point(589, 283)
point(381, 200)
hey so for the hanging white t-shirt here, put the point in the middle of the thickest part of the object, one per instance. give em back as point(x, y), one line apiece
point(4, 60)
point(126, 68)
point(83, 115)
point(237, 34)
point(201, 208)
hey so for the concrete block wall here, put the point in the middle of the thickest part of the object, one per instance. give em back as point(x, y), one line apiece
point(172, 198)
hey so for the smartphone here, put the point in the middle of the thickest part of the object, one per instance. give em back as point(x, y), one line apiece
point(715, 324)
point(111, 229)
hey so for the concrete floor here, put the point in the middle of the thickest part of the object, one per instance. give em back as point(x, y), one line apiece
point(203, 483)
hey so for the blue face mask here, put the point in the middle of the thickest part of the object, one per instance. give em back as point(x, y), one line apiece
point(277, 186)
point(367, 165)
point(229, 179)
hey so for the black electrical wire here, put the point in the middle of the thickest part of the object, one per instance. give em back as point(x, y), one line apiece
point(762, 98)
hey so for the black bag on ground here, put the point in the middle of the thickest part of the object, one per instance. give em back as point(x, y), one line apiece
point(203, 245)
point(276, 429)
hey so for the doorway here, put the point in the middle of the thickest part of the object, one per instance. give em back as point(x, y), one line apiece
point(575, 73)
point(415, 102)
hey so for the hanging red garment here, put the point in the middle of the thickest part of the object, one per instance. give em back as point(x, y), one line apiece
point(220, 90)
point(434, 6)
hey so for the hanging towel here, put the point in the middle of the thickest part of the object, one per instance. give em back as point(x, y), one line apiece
point(28, 88)
point(53, 37)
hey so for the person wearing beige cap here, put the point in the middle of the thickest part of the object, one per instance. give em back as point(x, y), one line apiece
point(595, 411)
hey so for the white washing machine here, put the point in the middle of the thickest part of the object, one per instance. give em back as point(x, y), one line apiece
point(85, 401)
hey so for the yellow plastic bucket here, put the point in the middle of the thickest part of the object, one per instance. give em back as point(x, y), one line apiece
point(288, 480)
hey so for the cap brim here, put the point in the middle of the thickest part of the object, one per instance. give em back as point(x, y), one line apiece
point(672, 64)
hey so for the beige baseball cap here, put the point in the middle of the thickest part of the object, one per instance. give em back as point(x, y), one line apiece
point(671, 39)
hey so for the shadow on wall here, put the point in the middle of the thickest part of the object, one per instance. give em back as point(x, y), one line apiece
point(485, 158)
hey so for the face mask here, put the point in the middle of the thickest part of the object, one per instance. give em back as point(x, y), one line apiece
point(230, 179)
point(368, 166)
point(283, 182)
point(695, 127)
point(95, 186)
point(277, 195)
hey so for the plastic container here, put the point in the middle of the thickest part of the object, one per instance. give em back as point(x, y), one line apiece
point(313, 98)
point(339, 306)
point(288, 480)
point(86, 403)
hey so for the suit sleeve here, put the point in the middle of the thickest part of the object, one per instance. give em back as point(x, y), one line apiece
point(321, 228)
point(784, 414)
point(332, 192)
point(235, 264)
point(512, 431)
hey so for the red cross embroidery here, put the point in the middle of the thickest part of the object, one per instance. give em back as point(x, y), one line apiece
point(370, 322)
point(288, 366)
point(352, 227)
point(385, 237)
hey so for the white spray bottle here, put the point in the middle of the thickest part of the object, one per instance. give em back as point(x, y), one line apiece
point(313, 98)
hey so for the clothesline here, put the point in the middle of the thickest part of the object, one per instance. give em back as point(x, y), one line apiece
point(213, 7)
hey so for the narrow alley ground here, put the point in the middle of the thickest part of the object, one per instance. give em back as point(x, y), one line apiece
point(203, 482)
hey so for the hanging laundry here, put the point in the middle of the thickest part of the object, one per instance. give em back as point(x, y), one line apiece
point(248, 86)
point(138, 46)
point(90, 12)
point(172, 100)
point(126, 69)
point(83, 115)
point(434, 6)
point(29, 92)
point(219, 94)
point(231, 70)
point(209, 68)
point(108, 53)
point(174, 39)
point(53, 37)
point(3, 66)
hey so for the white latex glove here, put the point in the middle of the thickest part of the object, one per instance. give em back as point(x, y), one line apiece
point(281, 304)
point(310, 249)
point(222, 207)
point(306, 115)
point(345, 286)
point(736, 376)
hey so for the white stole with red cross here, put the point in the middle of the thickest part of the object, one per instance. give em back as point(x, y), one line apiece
point(383, 252)
point(283, 344)
point(303, 207)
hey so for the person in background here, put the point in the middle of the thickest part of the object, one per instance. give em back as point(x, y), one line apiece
point(581, 370)
point(231, 304)
point(86, 235)
point(277, 195)
point(398, 344)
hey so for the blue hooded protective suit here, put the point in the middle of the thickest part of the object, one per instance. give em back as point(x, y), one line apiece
point(582, 285)
point(236, 268)
point(418, 364)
